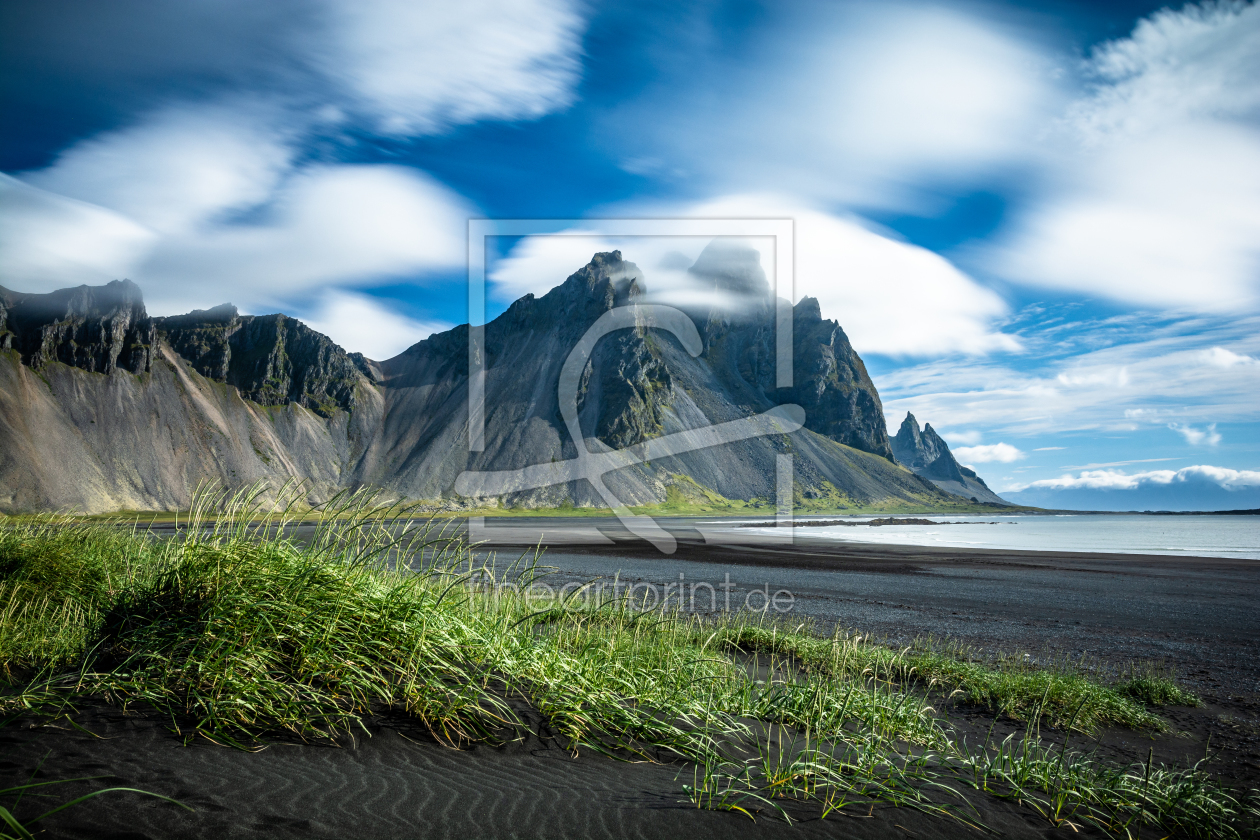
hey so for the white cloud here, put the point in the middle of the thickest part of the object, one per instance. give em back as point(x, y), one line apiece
point(1049, 448)
point(892, 297)
point(404, 66)
point(1142, 184)
point(1117, 377)
point(994, 452)
point(1222, 358)
point(1117, 463)
point(1153, 181)
point(1170, 220)
point(417, 67)
point(206, 206)
point(968, 438)
point(49, 242)
point(178, 167)
point(327, 225)
point(1195, 437)
point(537, 264)
point(919, 88)
point(363, 324)
point(1197, 62)
point(857, 103)
point(211, 199)
point(1118, 480)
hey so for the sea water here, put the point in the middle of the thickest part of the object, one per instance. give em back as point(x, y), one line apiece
point(1191, 536)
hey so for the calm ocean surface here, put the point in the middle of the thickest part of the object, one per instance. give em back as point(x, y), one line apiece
point(1201, 536)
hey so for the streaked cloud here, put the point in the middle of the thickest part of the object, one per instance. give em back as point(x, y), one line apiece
point(890, 297)
point(179, 167)
point(1222, 358)
point(48, 241)
point(1118, 480)
point(1117, 463)
point(1148, 373)
point(860, 104)
point(1152, 182)
point(994, 452)
point(367, 325)
point(218, 195)
point(419, 67)
point(327, 225)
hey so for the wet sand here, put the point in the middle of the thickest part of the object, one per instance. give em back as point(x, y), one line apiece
point(1201, 614)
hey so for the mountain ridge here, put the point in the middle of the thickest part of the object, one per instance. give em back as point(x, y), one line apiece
point(156, 405)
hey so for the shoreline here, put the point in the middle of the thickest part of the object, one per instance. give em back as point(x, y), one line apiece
point(1194, 615)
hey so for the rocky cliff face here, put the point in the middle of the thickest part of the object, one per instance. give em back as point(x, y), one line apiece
point(98, 329)
point(839, 399)
point(926, 454)
point(270, 359)
point(102, 407)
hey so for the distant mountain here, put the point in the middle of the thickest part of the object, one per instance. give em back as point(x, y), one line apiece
point(1196, 493)
point(103, 407)
point(926, 454)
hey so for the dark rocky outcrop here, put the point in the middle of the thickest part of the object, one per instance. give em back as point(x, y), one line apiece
point(270, 359)
point(833, 387)
point(95, 328)
point(641, 383)
point(927, 454)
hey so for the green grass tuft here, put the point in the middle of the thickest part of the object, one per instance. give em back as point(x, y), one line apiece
point(1154, 684)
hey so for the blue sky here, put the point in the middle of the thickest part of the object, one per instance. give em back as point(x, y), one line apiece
point(1037, 222)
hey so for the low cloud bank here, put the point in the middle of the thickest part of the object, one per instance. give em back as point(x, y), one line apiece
point(1200, 487)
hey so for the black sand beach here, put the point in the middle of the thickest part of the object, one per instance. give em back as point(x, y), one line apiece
point(1195, 614)
point(400, 784)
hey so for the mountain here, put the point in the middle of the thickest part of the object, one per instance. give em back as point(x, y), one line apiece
point(103, 407)
point(926, 454)
point(1187, 489)
point(100, 412)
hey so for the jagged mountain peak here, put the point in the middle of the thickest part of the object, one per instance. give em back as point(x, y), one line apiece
point(223, 313)
point(77, 302)
point(606, 271)
point(925, 453)
point(270, 359)
point(732, 266)
point(605, 282)
point(807, 309)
